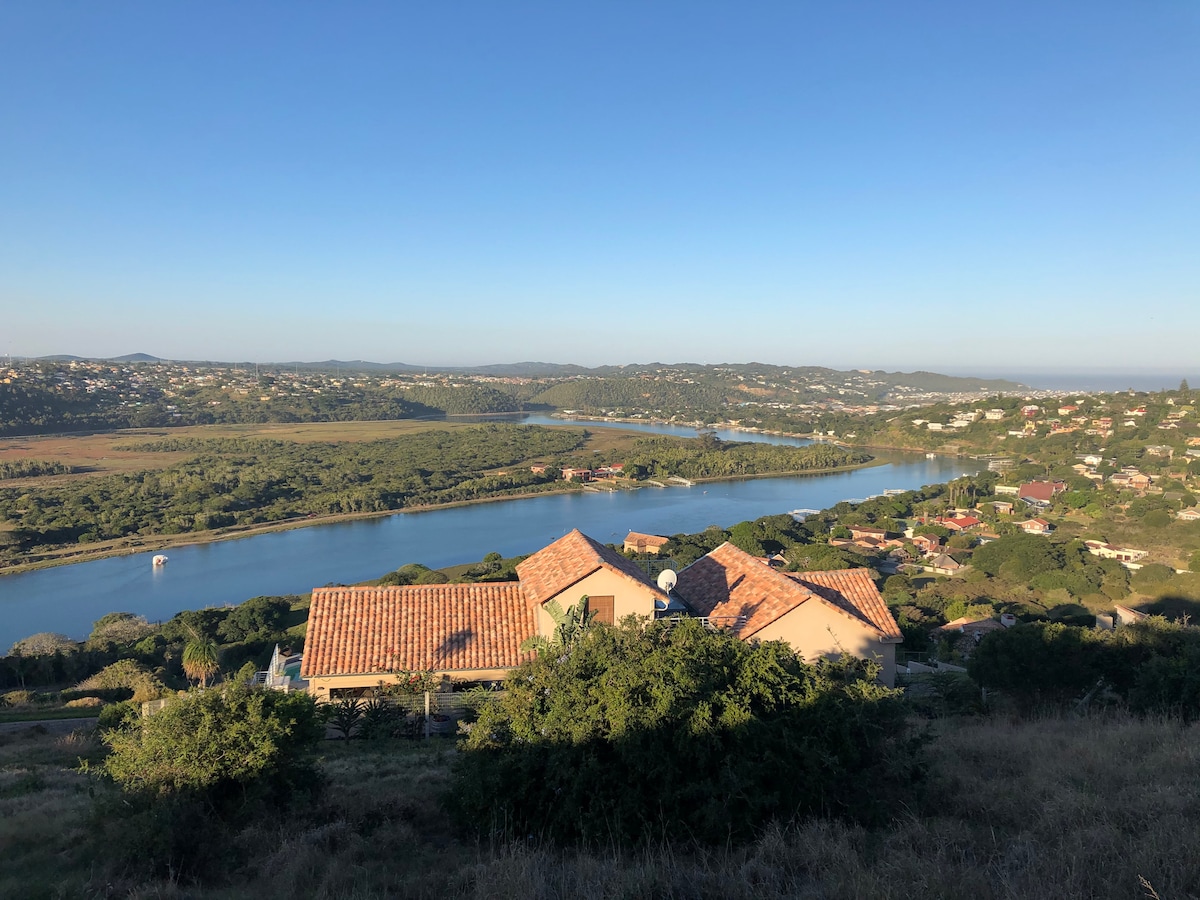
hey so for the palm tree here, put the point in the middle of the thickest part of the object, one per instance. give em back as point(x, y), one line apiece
point(569, 625)
point(200, 659)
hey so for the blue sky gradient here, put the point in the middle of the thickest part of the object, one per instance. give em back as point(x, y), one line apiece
point(921, 185)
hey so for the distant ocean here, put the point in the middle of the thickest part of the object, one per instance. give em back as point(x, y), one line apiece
point(1091, 380)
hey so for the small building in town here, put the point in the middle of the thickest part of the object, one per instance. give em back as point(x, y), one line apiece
point(1040, 493)
point(1035, 526)
point(1110, 551)
point(636, 542)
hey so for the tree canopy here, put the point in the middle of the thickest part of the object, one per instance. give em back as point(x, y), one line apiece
point(634, 731)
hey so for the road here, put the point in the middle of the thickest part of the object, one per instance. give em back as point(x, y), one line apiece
point(53, 726)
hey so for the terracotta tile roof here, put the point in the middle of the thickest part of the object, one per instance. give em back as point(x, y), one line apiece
point(854, 591)
point(569, 560)
point(359, 630)
point(639, 539)
point(1040, 490)
point(729, 582)
point(960, 522)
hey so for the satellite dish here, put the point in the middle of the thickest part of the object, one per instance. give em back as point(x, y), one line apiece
point(667, 579)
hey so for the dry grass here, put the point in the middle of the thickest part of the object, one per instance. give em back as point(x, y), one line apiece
point(102, 453)
point(43, 809)
point(1107, 807)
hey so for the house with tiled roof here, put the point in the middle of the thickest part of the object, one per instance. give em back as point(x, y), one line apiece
point(927, 543)
point(1111, 551)
point(820, 614)
point(637, 542)
point(945, 564)
point(864, 531)
point(359, 637)
point(959, 523)
point(1035, 526)
point(1040, 493)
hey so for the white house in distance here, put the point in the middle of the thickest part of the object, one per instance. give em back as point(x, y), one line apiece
point(359, 637)
point(1110, 551)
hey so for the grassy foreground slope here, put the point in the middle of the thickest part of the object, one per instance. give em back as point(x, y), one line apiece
point(1059, 807)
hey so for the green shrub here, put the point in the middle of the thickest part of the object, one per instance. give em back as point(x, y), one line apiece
point(205, 764)
point(125, 675)
point(116, 715)
point(640, 731)
point(1153, 665)
point(215, 742)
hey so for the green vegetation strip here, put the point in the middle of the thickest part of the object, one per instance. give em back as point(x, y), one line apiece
point(35, 715)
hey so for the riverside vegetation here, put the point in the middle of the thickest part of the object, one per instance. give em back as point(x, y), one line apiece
point(237, 483)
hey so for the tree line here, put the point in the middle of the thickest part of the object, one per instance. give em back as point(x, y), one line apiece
point(246, 481)
point(710, 457)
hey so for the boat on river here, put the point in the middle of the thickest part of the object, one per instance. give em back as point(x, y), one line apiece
point(159, 560)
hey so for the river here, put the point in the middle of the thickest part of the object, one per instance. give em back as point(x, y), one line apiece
point(69, 598)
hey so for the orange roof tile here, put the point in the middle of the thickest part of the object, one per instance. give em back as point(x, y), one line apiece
point(646, 540)
point(360, 630)
point(570, 559)
point(854, 591)
point(729, 582)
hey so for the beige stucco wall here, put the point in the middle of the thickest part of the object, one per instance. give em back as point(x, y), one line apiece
point(629, 599)
point(320, 686)
point(815, 629)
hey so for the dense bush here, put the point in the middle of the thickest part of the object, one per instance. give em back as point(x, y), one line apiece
point(641, 731)
point(217, 742)
point(208, 761)
point(123, 675)
point(1154, 665)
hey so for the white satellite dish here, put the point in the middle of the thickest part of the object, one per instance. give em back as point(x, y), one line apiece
point(667, 579)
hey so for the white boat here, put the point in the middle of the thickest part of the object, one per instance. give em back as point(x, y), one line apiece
point(159, 560)
point(931, 456)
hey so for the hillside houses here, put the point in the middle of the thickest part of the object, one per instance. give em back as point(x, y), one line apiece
point(637, 542)
point(1040, 493)
point(1035, 526)
point(1109, 551)
point(959, 524)
point(361, 636)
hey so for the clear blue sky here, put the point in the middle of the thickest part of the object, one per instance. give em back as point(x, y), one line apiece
point(918, 184)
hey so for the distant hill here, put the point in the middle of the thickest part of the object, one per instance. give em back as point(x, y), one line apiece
point(921, 380)
point(931, 381)
point(130, 357)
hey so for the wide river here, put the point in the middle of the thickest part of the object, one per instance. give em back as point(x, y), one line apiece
point(69, 598)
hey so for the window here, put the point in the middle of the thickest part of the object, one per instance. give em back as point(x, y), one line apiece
point(603, 609)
